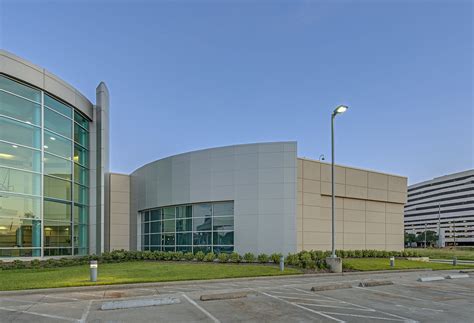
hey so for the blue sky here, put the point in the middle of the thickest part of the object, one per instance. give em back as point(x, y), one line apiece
point(186, 75)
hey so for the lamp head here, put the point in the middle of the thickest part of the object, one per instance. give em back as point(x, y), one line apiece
point(340, 109)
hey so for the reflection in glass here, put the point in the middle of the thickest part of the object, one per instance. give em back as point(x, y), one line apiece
point(81, 156)
point(81, 175)
point(224, 238)
point(18, 181)
point(20, 157)
point(81, 136)
point(19, 233)
point(58, 167)
point(57, 106)
point(15, 206)
point(223, 209)
point(20, 133)
point(57, 188)
point(168, 226)
point(57, 123)
point(184, 224)
point(81, 194)
point(202, 224)
point(21, 109)
point(202, 210)
point(57, 211)
point(81, 120)
point(184, 211)
point(202, 238)
point(57, 145)
point(168, 212)
point(223, 223)
point(19, 89)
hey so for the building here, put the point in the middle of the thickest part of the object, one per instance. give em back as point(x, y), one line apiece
point(57, 196)
point(444, 203)
point(53, 160)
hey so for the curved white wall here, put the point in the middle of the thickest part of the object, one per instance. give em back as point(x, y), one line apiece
point(259, 178)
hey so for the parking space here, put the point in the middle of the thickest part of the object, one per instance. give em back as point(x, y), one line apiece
point(279, 299)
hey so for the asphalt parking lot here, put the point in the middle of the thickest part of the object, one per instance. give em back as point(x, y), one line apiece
point(282, 299)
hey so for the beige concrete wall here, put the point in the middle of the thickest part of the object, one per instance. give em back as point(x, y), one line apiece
point(369, 208)
point(119, 215)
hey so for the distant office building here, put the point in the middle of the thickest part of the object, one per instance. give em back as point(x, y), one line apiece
point(446, 200)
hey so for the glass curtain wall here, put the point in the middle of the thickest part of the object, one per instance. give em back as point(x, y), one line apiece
point(43, 174)
point(189, 228)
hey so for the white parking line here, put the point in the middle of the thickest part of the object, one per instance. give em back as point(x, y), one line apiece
point(333, 306)
point(85, 314)
point(310, 299)
point(368, 317)
point(303, 307)
point(39, 314)
point(201, 309)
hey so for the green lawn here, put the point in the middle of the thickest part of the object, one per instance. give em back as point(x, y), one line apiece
point(446, 253)
point(131, 272)
point(368, 264)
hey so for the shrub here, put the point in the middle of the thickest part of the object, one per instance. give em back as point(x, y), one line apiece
point(18, 264)
point(305, 260)
point(235, 257)
point(223, 257)
point(210, 257)
point(200, 256)
point(36, 264)
point(275, 257)
point(189, 256)
point(178, 255)
point(263, 258)
point(249, 257)
point(292, 260)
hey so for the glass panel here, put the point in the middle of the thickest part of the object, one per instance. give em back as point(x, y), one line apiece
point(19, 233)
point(12, 206)
point(57, 166)
point(57, 234)
point(81, 214)
point(81, 234)
point(20, 133)
point(20, 89)
point(80, 119)
point(184, 225)
point(81, 175)
point(205, 249)
point(202, 238)
point(184, 249)
point(20, 109)
point(184, 211)
point(184, 239)
point(18, 181)
point(146, 226)
point(155, 215)
point(57, 188)
point(147, 216)
point(169, 226)
point(57, 106)
point(202, 210)
point(202, 224)
point(155, 227)
point(146, 239)
point(224, 223)
point(57, 145)
point(155, 239)
point(57, 123)
point(169, 248)
point(20, 252)
point(81, 136)
point(224, 208)
point(20, 157)
point(167, 239)
point(224, 238)
point(81, 194)
point(221, 249)
point(81, 156)
point(57, 211)
point(57, 252)
point(168, 212)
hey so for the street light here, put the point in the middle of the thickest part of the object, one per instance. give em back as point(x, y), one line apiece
point(339, 110)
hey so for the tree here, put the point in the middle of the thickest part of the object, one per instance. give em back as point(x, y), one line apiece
point(409, 238)
point(431, 238)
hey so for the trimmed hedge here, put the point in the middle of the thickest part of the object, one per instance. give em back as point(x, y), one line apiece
point(314, 259)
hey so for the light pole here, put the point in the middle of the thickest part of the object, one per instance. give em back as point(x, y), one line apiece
point(439, 225)
point(339, 110)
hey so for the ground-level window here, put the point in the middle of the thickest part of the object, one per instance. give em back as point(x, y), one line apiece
point(189, 228)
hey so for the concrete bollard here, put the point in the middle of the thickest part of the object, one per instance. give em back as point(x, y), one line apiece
point(282, 263)
point(392, 262)
point(93, 269)
point(455, 261)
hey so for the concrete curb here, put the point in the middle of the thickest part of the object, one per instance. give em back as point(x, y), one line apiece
point(116, 305)
point(456, 276)
point(93, 288)
point(223, 296)
point(373, 283)
point(330, 287)
point(430, 279)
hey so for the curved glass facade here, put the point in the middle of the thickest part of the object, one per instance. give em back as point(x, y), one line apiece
point(189, 228)
point(44, 175)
